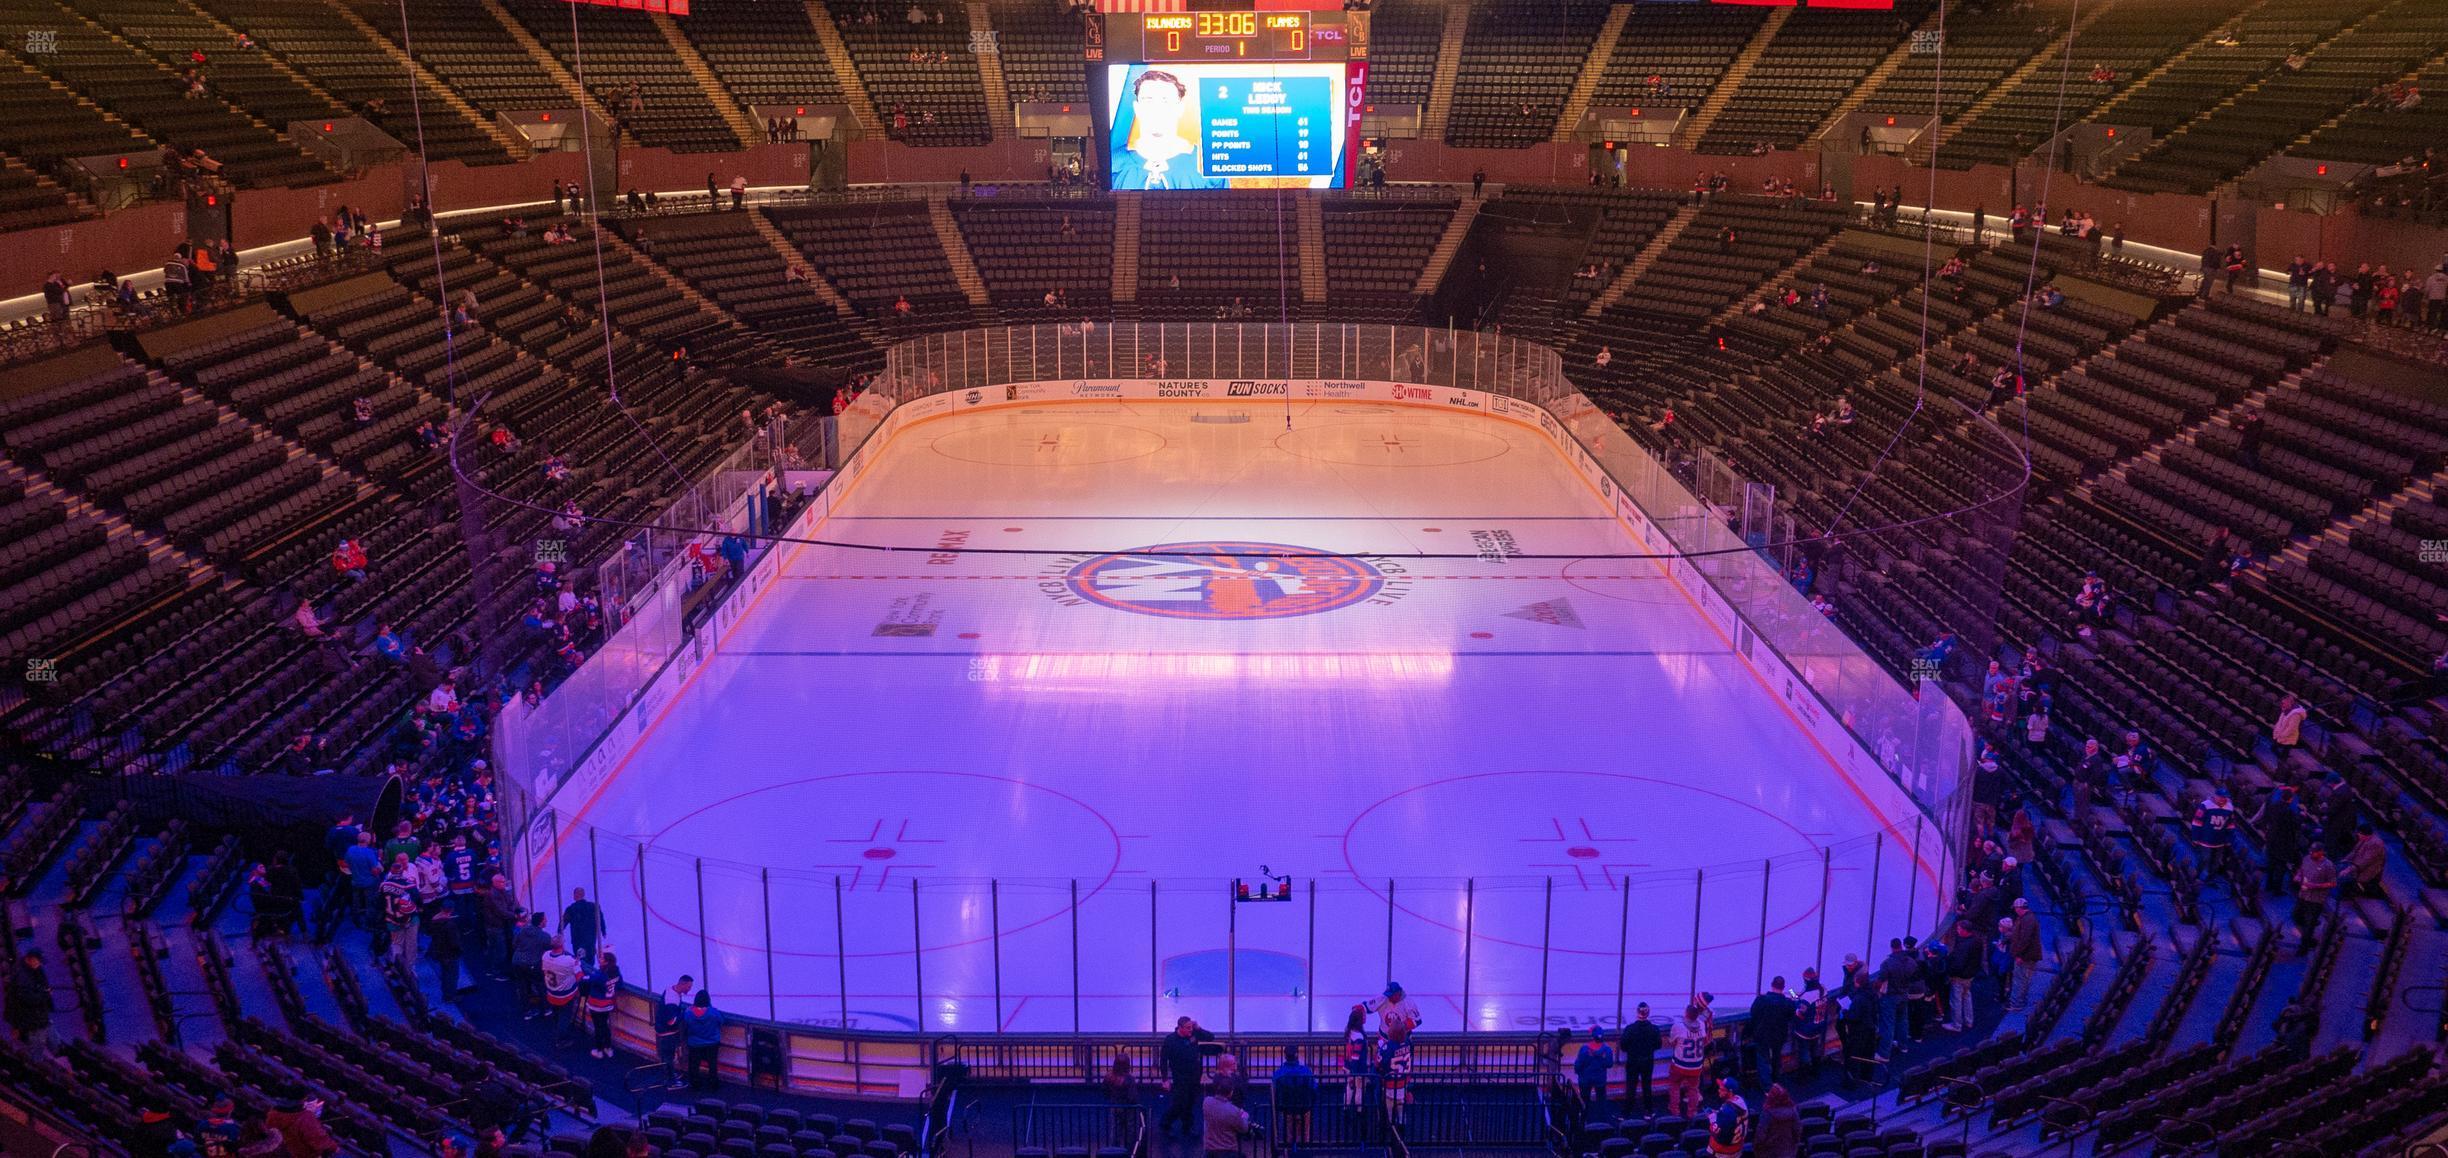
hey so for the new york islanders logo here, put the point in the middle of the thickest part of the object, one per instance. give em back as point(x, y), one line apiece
point(1224, 579)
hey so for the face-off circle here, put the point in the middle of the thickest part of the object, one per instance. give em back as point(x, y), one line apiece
point(1224, 579)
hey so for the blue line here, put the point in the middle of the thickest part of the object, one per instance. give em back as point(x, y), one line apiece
point(1220, 518)
point(851, 654)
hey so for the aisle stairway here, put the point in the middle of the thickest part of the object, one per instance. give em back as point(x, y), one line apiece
point(427, 82)
point(1861, 90)
point(1448, 66)
point(837, 54)
point(956, 249)
point(989, 53)
point(1126, 246)
point(743, 125)
point(1457, 229)
point(816, 283)
point(548, 64)
point(1647, 257)
point(1593, 69)
point(1312, 249)
point(1932, 142)
point(1697, 125)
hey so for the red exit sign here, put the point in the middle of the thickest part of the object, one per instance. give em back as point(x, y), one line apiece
point(673, 7)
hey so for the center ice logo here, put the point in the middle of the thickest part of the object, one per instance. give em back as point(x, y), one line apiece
point(1224, 580)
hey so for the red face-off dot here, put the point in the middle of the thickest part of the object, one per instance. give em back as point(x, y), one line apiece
point(1483, 635)
point(968, 635)
point(1581, 852)
point(1432, 530)
point(879, 854)
point(1011, 530)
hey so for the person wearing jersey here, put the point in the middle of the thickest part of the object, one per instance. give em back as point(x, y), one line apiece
point(2213, 834)
point(1359, 1059)
point(1688, 1042)
point(597, 990)
point(560, 981)
point(1729, 1124)
point(399, 908)
point(1394, 1063)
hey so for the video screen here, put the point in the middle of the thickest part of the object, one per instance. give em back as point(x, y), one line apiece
point(1195, 125)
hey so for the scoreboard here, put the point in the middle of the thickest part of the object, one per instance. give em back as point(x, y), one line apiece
point(1228, 37)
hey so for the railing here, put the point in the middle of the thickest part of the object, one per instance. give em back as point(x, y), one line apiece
point(929, 954)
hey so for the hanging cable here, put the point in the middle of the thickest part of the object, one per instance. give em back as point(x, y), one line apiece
point(595, 228)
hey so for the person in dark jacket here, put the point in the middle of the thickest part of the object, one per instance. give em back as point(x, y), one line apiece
point(527, 948)
point(1896, 975)
point(1183, 1054)
point(1772, 1017)
point(1778, 1131)
point(1295, 1089)
point(1965, 959)
point(1590, 1067)
point(703, 1027)
point(2281, 821)
point(1639, 1047)
point(442, 944)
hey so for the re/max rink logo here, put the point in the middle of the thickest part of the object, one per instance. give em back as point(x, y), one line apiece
point(1181, 389)
point(1249, 389)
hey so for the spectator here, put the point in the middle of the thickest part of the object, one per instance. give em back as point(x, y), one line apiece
point(739, 192)
point(2286, 731)
point(528, 945)
point(443, 946)
point(2365, 863)
point(1688, 1039)
point(1295, 1092)
point(301, 1129)
point(1772, 1018)
point(1590, 1067)
point(1183, 1054)
point(1729, 1123)
point(582, 922)
point(1223, 1125)
point(599, 990)
point(2314, 881)
point(671, 1032)
point(2212, 830)
point(703, 1027)
point(1780, 1126)
point(1809, 1022)
point(1359, 1059)
point(2280, 820)
point(1964, 960)
point(2024, 946)
point(1121, 1089)
point(30, 1003)
point(399, 904)
point(348, 561)
point(560, 971)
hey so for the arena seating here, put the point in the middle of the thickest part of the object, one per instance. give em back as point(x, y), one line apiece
point(1230, 250)
point(1041, 46)
point(144, 90)
point(1685, 47)
point(766, 54)
point(2189, 86)
point(632, 72)
point(1983, 46)
point(922, 76)
point(171, 513)
point(348, 66)
point(1403, 38)
point(2128, 42)
point(2333, 74)
point(727, 260)
point(1517, 65)
point(1375, 250)
point(877, 255)
point(1026, 247)
point(1816, 58)
point(465, 46)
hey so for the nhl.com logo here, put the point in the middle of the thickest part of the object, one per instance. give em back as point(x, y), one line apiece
point(1224, 579)
point(1244, 388)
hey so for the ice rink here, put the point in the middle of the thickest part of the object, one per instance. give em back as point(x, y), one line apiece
point(1524, 787)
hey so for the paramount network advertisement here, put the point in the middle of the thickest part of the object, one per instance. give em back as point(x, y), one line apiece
point(1194, 125)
